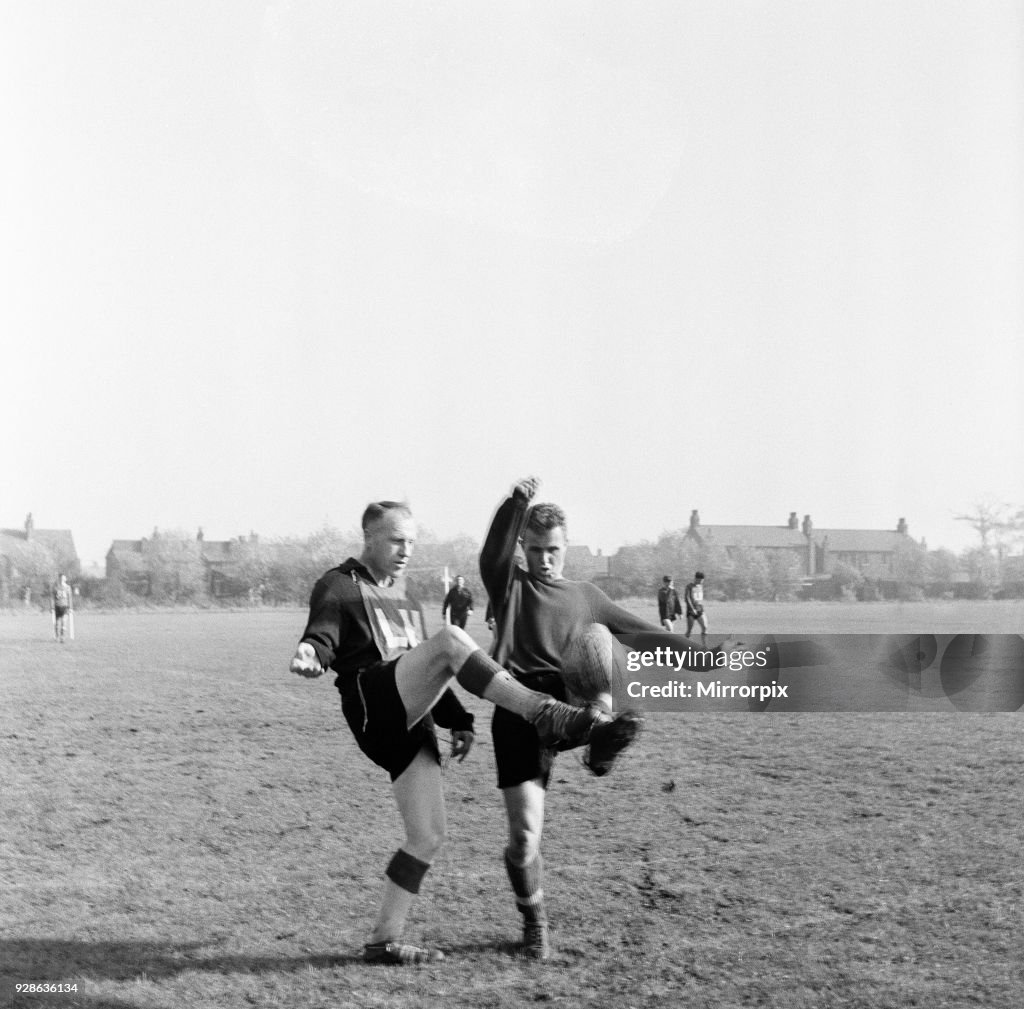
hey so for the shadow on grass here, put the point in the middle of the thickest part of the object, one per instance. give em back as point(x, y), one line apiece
point(56, 960)
point(72, 1001)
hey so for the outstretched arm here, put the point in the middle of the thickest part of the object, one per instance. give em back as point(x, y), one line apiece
point(324, 629)
point(614, 617)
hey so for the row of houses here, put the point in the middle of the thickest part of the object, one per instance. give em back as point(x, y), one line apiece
point(817, 551)
point(221, 559)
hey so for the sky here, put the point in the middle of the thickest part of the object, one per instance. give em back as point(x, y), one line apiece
point(264, 263)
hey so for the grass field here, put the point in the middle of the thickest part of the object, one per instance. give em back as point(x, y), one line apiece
point(185, 824)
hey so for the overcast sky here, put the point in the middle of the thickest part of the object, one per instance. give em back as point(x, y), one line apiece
point(264, 263)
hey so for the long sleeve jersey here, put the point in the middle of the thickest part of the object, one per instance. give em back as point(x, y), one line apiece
point(536, 619)
point(459, 601)
point(668, 604)
point(354, 624)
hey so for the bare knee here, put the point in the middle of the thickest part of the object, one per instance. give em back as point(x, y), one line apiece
point(455, 644)
point(426, 842)
point(456, 638)
point(523, 844)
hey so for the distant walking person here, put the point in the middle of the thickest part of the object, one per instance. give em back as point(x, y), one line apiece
point(669, 607)
point(62, 609)
point(694, 596)
point(458, 604)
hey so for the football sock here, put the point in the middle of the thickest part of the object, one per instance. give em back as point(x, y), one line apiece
point(482, 676)
point(406, 871)
point(528, 886)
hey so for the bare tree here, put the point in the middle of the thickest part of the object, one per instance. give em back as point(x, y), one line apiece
point(997, 524)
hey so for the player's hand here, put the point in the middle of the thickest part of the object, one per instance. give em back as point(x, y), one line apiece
point(526, 488)
point(462, 743)
point(305, 662)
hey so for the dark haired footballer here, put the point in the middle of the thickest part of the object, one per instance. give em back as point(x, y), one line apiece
point(669, 607)
point(394, 686)
point(537, 613)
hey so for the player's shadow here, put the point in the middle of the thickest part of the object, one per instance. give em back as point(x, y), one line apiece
point(64, 960)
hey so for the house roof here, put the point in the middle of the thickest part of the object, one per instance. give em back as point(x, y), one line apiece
point(751, 536)
point(212, 551)
point(860, 540)
point(59, 542)
point(216, 551)
point(776, 537)
point(583, 557)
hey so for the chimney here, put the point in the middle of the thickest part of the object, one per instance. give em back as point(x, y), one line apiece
point(902, 527)
point(199, 535)
point(694, 519)
point(29, 526)
point(793, 521)
point(808, 525)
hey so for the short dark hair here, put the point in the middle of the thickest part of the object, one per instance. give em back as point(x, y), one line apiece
point(376, 510)
point(699, 574)
point(543, 517)
point(667, 579)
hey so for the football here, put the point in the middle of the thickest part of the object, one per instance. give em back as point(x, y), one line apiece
point(588, 663)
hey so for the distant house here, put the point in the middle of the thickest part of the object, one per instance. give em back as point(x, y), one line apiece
point(868, 550)
point(124, 563)
point(817, 550)
point(16, 543)
point(223, 561)
point(583, 565)
point(226, 561)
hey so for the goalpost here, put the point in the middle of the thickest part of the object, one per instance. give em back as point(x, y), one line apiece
point(445, 579)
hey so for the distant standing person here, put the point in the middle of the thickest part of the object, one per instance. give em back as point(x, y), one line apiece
point(694, 596)
point(458, 604)
point(669, 607)
point(62, 609)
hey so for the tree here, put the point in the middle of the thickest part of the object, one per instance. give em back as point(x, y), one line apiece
point(289, 575)
point(940, 570)
point(33, 569)
point(175, 568)
point(637, 568)
point(983, 570)
point(328, 547)
point(846, 578)
point(784, 574)
point(750, 578)
point(942, 565)
point(910, 570)
point(250, 562)
point(998, 525)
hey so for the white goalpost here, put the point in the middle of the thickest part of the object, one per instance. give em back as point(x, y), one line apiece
point(445, 579)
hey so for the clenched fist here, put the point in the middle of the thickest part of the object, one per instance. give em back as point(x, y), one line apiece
point(526, 488)
point(305, 662)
